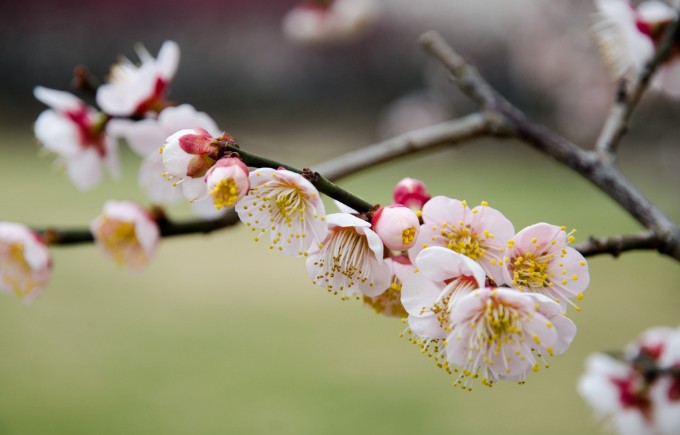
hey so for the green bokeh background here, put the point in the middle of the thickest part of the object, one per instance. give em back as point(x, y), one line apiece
point(220, 335)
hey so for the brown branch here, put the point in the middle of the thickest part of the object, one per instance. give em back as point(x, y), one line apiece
point(629, 95)
point(447, 133)
point(616, 245)
point(510, 120)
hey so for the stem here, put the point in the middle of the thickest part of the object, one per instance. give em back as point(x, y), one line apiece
point(323, 184)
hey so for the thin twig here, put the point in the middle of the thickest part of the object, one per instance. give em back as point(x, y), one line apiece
point(602, 173)
point(629, 95)
point(616, 245)
point(447, 133)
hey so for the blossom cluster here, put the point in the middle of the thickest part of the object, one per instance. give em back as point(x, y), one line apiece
point(638, 394)
point(482, 300)
point(628, 36)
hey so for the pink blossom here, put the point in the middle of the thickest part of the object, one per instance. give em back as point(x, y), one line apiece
point(538, 260)
point(285, 205)
point(349, 260)
point(77, 133)
point(397, 226)
point(480, 233)
point(411, 192)
point(500, 333)
point(618, 395)
point(127, 233)
point(25, 263)
point(227, 182)
point(339, 21)
point(137, 90)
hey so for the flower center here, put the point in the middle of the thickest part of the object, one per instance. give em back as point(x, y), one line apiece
point(530, 270)
point(119, 238)
point(408, 235)
point(225, 193)
point(464, 241)
point(289, 203)
point(16, 272)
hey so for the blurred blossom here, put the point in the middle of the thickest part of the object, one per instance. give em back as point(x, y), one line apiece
point(77, 133)
point(551, 55)
point(412, 111)
point(127, 233)
point(638, 394)
point(139, 89)
point(329, 22)
point(25, 263)
point(629, 36)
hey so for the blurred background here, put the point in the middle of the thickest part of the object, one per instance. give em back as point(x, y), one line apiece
point(220, 335)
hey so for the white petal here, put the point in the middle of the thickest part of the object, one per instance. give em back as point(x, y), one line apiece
point(84, 169)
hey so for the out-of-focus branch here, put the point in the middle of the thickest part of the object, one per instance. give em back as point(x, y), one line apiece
point(629, 95)
point(616, 245)
point(511, 121)
point(76, 236)
point(446, 133)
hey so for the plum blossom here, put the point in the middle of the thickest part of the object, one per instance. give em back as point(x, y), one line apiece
point(77, 133)
point(349, 261)
point(329, 22)
point(628, 37)
point(480, 233)
point(397, 226)
point(618, 395)
point(638, 394)
point(139, 89)
point(538, 260)
point(388, 302)
point(127, 233)
point(25, 263)
point(187, 156)
point(665, 392)
point(443, 276)
point(285, 205)
point(227, 181)
point(502, 334)
point(411, 192)
point(146, 135)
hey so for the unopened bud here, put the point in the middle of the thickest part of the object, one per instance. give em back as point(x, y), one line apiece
point(227, 181)
point(397, 226)
point(411, 192)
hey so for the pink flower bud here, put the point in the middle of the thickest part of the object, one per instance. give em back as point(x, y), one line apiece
point(411, 192)
point(187, 156)
point(227, 181)
point(397, 226)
